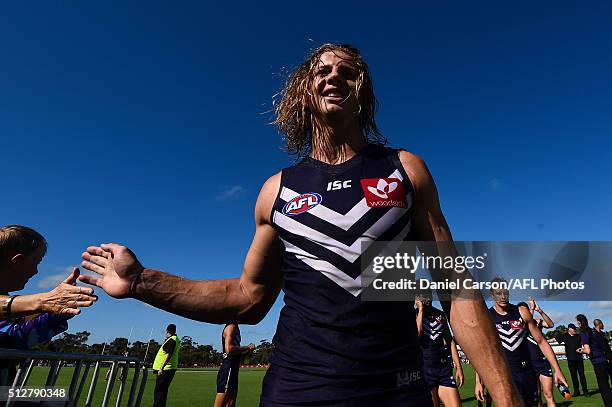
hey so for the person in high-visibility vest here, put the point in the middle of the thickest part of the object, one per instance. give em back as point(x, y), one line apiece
point(165, 365)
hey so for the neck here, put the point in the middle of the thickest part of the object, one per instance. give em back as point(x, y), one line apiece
point(500, 308)
point(335, 143)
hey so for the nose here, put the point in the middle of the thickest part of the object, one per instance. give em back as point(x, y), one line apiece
point(333, 76)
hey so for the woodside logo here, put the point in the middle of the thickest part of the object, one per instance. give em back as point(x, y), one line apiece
point(384, 192)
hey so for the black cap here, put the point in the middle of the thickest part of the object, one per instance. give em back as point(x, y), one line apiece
point(572, 326)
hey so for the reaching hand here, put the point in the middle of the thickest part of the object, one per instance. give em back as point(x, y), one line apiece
point(533, 305)
point(117, 266)
point(67, 298)
point(560, 377)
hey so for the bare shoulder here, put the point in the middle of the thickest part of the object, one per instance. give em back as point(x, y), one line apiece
point(266, 198)
point(229, 331)
point(416, 169)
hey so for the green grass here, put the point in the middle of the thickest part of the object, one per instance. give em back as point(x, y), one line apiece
point(197, 387)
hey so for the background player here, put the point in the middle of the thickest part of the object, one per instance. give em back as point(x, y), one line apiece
point(439, 353)
point(593, 345)
point(540, 365)
point(512, 323)
point(227, 377)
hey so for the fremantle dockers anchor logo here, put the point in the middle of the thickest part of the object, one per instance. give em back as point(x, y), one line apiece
point(384, 192)
point(516, 325)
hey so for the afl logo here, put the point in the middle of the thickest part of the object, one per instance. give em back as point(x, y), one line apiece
point(301, 204)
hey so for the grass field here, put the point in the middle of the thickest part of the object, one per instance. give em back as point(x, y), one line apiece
point(196, 387)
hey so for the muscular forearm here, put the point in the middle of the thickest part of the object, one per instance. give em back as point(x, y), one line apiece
point(214, 301)
point(473, 328)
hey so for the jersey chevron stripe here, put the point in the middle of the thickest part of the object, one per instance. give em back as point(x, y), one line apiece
point(350, 253)
point(329, 215)
point(350, 284)
point(330, 271)
point(513, 347)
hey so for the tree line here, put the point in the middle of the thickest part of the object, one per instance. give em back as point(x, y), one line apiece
point(192, 354)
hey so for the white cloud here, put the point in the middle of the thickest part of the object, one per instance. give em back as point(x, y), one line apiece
point(231, 192)
point(600, 305)
point(561, 317)
point(52, 280)
point(495, 183)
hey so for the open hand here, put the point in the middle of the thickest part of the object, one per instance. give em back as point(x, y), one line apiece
point(67, 298)
point(117, 266)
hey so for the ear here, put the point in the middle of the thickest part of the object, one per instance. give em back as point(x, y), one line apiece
point(17, 259)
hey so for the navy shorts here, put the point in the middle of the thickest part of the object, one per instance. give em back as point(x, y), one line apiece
point(526, 382)
point(227, 378)
point(438, 373)
point(542, 367)
point(284, 387)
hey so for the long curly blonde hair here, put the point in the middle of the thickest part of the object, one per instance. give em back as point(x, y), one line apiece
point(294, 118)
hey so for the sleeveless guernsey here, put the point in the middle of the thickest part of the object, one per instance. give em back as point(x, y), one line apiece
point(329, 343)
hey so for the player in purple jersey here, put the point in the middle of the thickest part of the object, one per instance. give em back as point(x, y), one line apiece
point(439, 353)
point(598, 326)
point(540, 364)
point(227, 377)
point(312, 222)
point(594, 344)
point(512, 323)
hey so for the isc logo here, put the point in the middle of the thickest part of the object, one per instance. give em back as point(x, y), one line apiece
point(336, 185)
point(301, 204)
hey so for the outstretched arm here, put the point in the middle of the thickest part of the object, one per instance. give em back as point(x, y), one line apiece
point(469, 318)
point(65, 299)
point(246, 299)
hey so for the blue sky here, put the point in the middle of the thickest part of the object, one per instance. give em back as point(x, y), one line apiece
point(145, 123)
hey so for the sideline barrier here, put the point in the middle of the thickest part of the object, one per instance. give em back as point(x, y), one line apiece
point(82, 365)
